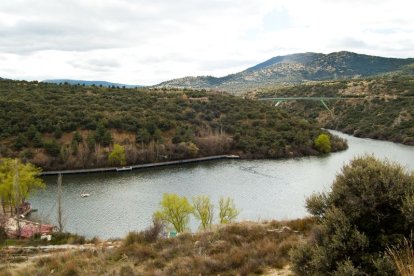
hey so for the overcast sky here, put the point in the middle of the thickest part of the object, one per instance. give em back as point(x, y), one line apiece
point(149, 41)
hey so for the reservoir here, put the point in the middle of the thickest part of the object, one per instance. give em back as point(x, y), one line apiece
point(120, 202)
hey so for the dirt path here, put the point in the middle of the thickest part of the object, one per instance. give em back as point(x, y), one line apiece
point(279, 272)
point(20, 257)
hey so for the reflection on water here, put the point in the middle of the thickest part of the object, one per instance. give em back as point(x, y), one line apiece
point(262, 189)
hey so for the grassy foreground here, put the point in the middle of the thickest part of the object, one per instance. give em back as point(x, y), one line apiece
point(234, 249)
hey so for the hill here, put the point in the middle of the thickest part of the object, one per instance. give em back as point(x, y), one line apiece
point(66, 126)
point(297, 69)
point(91, 83)
point(378, 108)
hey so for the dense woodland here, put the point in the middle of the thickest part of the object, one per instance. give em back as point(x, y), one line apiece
point(380, 108)
point(66, 126)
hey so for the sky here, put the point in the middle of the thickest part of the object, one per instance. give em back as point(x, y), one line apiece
point(149, 41)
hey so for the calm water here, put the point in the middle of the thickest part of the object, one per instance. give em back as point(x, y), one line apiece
point(262, 189)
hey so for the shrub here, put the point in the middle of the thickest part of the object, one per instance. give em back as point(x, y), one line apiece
point(52, 147)
point(117, 156)
point(365, 212)
point(323, 143)
point(147, 236)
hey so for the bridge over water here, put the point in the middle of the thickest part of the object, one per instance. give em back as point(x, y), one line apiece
point(308, 98)
point(323, 100)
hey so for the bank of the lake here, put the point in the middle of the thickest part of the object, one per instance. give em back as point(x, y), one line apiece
point(142, 166)
point(262, 189)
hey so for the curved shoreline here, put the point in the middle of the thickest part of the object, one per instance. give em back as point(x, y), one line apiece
point(141, 166)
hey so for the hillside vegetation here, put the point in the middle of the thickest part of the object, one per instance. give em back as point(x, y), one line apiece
point(378, 108)
point(65, 126)
point(297, 69)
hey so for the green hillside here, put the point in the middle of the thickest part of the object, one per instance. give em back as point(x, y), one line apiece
point(379, 108)
point(64, 126)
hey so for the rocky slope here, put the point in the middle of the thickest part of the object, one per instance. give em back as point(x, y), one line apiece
point(298, 68)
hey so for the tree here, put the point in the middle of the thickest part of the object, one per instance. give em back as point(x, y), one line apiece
point(102, 135)
point(175, 210)
point(31, 132)
point(17, 182)
point(20, 142)
point(158, 136)
point(323, 143)
point(188, 149)
point(368, 209)
point(52, 147)
point(228, 211)
point(74, 146)
point(143, 136)
point(37, 140)
point(77, 137)
point(106, 139)
point(90, 141)
point(203, 211)
point(59, 203)
point(58, 132)
point(117, 156)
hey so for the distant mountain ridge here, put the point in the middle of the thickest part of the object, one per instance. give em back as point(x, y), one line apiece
point(299, 68)
point(91, 83)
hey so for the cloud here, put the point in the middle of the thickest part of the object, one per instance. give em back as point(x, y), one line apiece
point(146, 42)
point(350, 43)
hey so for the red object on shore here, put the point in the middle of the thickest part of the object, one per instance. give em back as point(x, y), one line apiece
point(29, 229)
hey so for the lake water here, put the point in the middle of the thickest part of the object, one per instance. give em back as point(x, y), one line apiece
point(262, 189)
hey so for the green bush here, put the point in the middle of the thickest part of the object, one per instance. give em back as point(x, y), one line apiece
point(323, 143)
point(369, 208)
point(52, 147)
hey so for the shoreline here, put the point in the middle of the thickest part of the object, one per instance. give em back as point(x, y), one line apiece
point(141, 166)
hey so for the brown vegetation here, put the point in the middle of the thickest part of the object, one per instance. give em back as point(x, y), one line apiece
point(235, 249)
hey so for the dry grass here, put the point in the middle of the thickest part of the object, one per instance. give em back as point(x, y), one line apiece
point(403, 258)
point(236, 249)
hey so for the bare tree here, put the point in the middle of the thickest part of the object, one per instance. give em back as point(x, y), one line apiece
point(17, 199)
point(59, 203)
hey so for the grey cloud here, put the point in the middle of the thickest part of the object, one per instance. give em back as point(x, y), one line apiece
point(79, 27)
point(350, 43)
point(222, 64)
point(98, 65)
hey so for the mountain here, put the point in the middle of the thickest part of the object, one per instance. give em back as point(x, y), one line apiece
point(91, 83)
point(299, 68)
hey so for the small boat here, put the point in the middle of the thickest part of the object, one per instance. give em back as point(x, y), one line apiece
point(124, 169)
point(85, 195)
